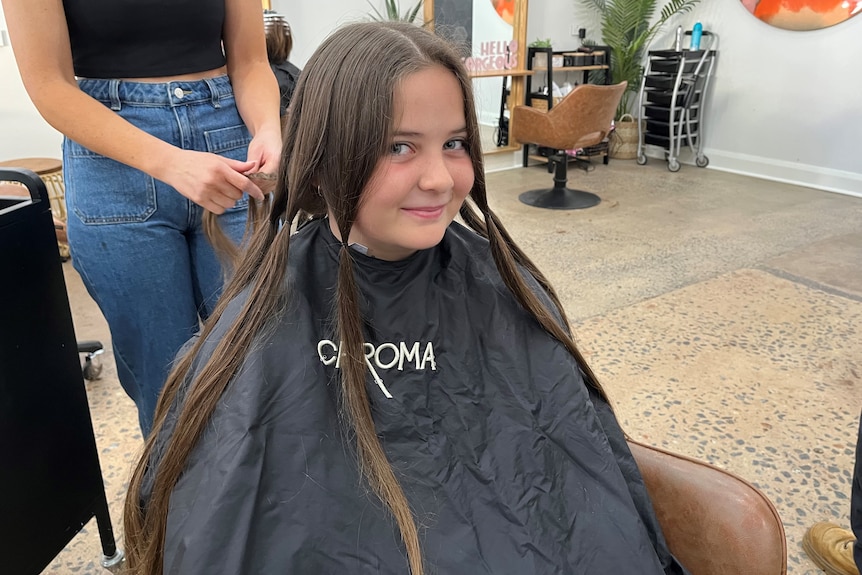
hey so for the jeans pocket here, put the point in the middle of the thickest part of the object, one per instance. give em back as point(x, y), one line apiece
point(231, 142)
point(100, 190)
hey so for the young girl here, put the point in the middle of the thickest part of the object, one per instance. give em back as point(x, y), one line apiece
point(386, 390)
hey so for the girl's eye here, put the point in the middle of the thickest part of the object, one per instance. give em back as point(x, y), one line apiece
point(399, 149)
point(457, 144)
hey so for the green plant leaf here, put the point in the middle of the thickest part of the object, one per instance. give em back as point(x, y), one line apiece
point(411, 15)
point(626, 30)
point(393, 12)
point(377, 15)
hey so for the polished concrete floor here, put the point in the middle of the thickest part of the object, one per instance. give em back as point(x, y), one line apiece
point(722, 313)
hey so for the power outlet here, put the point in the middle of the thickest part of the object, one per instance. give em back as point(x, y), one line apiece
point(4, 38)
point(573, 30)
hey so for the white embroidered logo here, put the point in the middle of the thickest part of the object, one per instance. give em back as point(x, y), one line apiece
point(384, 356)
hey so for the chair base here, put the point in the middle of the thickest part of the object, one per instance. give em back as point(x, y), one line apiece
point(560, 199)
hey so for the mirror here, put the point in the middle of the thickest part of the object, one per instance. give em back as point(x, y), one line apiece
point(494, 34)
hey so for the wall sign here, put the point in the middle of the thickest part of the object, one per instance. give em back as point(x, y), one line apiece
point(803, 14)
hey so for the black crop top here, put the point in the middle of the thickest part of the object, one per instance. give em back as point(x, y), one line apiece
point(145, 38)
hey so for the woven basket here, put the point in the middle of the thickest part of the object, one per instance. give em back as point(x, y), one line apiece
point(542, 104)
point(624, 138)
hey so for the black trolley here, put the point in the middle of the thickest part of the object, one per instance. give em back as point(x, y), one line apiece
point(672, 101)
point(51, 478)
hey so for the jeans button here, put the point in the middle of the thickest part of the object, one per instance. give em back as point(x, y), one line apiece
point(178, 92)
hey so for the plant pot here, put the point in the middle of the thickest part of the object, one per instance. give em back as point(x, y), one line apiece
point(540, 60)
point(623, 142)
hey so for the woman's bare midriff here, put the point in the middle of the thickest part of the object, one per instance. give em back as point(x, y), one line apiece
point(193, 76)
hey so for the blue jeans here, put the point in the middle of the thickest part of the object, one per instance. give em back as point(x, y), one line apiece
point(138, 244)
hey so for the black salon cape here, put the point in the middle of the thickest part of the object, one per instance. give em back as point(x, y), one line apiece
point(510, 464)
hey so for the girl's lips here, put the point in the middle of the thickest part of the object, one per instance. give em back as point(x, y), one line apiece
point(429, 213)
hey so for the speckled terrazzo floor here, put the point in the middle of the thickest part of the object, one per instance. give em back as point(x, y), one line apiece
point(721, 312)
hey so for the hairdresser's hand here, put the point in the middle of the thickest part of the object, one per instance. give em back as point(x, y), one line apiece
point(265, 151)
point(213, 182)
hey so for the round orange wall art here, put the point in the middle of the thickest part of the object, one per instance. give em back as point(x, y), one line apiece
point(506, 10)
point(803, 14)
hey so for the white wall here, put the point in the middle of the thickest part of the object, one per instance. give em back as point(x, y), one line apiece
point(313, 21)
point(784, 105)
point(23, 132)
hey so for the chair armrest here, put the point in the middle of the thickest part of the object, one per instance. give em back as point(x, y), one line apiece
point(714, 522)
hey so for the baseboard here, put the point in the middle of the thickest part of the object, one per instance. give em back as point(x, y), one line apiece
point(826, 179)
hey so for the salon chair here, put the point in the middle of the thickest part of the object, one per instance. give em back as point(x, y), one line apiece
point(715, 522)
point(582, 119)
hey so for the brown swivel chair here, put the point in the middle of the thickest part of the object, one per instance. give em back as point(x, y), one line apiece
point(582, 118)
point(715, 523)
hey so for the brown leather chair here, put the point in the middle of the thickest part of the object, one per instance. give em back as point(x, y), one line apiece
point(715, 522)
point(582, 118)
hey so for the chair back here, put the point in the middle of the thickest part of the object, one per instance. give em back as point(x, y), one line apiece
point(714, 522)
point(582, 118)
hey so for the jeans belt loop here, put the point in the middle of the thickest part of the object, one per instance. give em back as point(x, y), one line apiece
point(114, 94)
point(214, 93)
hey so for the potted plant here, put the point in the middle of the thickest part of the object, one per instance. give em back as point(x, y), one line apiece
point(540, 60)
point(393, 12)
point(628, 29)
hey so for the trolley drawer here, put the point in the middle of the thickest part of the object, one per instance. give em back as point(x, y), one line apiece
point(661, 81)
point(663, 98)
point(662, 113)
point(653, 127)
point(672, 66)
point(657, 140)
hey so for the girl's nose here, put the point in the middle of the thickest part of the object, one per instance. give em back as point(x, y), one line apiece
point(436, 176)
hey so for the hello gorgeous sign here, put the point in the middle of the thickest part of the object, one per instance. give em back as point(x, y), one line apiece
point(494, 55)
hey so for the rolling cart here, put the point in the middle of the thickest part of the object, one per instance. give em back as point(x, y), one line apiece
point(51, 479)
point(672, 101)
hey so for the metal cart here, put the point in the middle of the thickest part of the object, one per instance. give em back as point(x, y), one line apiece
point(672, 100)
point(51, 479)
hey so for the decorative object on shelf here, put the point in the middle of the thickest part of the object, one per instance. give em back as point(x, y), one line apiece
point(803, 14)
point(540, 59)
point(627, 29)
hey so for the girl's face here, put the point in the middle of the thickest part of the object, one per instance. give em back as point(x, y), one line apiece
point(417, 189)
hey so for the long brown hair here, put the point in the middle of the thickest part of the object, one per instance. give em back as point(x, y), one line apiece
point(279, 38)
point(339, 127)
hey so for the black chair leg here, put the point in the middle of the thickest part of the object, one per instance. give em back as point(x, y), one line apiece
point(560, 197)
point(113, 558)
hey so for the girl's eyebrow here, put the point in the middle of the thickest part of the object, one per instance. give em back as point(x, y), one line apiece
point(407, 133)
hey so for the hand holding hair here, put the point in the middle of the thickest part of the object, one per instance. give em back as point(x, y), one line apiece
point(213, 182)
